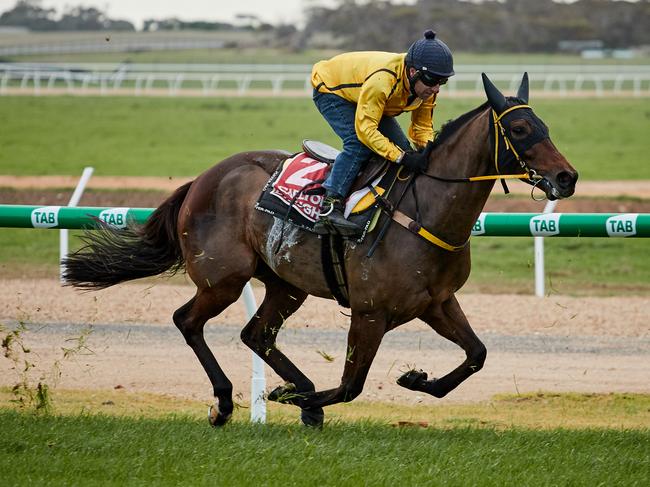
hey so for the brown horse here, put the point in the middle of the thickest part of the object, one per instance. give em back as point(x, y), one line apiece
point(210, 227)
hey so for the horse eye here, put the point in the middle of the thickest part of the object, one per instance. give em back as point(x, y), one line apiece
point(518, 130)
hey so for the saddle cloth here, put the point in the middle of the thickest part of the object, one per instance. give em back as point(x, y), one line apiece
point(294, 192)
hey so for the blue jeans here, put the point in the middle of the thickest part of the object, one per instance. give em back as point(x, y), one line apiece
point(340, 113)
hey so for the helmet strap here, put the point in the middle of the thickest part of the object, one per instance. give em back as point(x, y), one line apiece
point(413, 79)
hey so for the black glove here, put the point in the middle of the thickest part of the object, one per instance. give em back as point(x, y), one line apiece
point(417, 161)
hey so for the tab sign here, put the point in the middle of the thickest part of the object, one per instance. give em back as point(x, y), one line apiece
point(45, 217)
point(622, 225)
point(114, 217)
point(479, 225)
point(545, 225)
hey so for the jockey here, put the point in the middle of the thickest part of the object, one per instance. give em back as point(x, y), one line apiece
point(359, 94)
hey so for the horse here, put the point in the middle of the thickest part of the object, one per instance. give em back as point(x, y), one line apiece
point(210, 228)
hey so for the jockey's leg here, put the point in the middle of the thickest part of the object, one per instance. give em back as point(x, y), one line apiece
point(340, 113)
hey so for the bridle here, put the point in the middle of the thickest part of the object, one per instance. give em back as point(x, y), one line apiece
point(530, 176)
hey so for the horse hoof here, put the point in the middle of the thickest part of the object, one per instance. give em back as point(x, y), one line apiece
point(282, 394)
point(216, 418)
point(312, 417)
point(413, 380)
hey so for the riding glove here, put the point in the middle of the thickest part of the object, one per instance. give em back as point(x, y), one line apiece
point(417, 161)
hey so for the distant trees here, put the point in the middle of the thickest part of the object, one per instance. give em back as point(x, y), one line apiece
point(177, 24)
point(511, 25)
point(245, 22)
point(468, 25)
point(30, 14)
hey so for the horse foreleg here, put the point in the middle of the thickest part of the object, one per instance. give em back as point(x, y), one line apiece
point(365, 335)
point(280, 301)
point(190, 320)
point(449, 321)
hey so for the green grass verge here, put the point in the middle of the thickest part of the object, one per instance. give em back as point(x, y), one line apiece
point(540, 410)
point(574, 266)
point(604, 139)
point(285, 56)
point(104, 450)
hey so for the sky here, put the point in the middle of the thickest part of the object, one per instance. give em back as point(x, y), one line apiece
point(135, 11)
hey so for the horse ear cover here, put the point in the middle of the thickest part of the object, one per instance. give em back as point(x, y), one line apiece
point(494, 96)
point(522, 92)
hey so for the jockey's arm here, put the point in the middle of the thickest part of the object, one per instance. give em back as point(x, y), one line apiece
point(421, 128)
point(370, 110)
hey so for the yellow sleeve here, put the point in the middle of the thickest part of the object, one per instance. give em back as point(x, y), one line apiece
point(421, 128)
point(370, 110)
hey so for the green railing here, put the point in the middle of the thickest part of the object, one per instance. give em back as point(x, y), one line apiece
point(488, 224)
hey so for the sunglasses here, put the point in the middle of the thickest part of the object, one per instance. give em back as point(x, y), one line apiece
point(431, 79)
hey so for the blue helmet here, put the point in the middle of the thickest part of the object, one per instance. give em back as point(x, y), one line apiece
point(430, 55)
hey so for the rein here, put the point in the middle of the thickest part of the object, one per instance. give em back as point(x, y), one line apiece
point(530, 175)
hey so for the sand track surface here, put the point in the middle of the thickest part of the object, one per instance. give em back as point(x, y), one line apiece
point(629, 188)
point(556, 343)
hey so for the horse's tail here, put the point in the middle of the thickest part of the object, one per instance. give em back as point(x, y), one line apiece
point(111, 256)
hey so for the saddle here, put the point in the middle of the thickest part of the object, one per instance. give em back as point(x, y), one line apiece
point(294, 192)
point(320, 151)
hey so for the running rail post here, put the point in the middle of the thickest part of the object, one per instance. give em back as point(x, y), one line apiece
point(258, 381)
point(74, 201)
point(539, 255)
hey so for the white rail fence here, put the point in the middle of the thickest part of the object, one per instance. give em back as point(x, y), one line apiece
point(282, 79)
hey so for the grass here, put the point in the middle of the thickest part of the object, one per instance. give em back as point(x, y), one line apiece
point(574, 266)
point(107, 449)
point(541, 410)
point(604, 139)
point(189, 56)
point(287, 56)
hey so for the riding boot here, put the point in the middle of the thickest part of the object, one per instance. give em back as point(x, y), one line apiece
point(332, 220)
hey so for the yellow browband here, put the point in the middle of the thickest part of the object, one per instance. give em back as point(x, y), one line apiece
point(498, 128)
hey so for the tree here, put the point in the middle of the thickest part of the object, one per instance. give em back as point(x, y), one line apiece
point(29, 13)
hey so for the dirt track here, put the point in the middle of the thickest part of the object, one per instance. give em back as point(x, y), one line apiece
point(637, 189)
point(552, 344)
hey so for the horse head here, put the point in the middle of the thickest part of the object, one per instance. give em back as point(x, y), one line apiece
point(521, 138)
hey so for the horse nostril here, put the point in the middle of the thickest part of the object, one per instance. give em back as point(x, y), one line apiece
point(565, 179)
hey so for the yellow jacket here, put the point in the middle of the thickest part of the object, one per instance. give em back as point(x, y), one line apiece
point(377, 83)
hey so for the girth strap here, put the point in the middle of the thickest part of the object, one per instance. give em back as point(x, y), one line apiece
point(332, 256)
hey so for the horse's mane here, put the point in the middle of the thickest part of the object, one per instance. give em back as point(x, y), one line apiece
point(451, 126)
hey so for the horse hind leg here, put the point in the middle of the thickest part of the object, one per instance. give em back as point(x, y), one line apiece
point(190, 319)
point(364, 337)
point(280, 301)
point(449, 321)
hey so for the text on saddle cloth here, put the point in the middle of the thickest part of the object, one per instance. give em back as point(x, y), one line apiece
point(302, 175)
point(294, 185)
